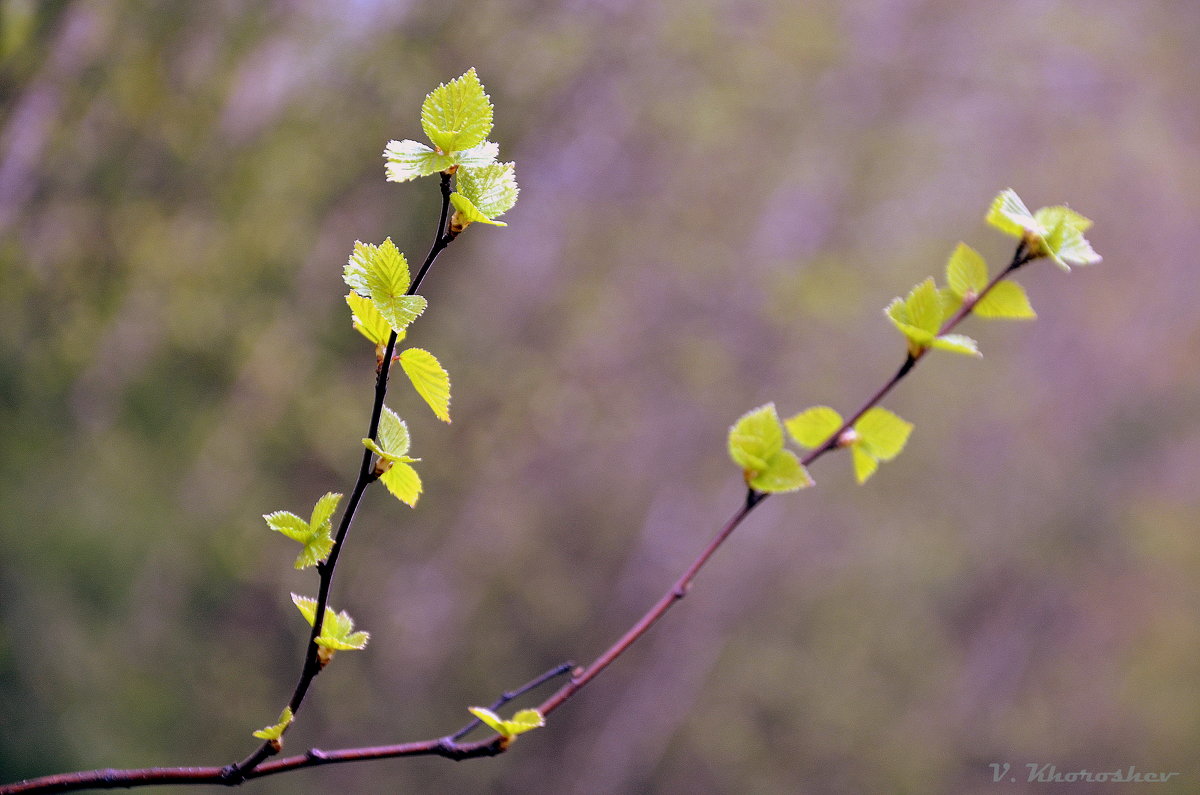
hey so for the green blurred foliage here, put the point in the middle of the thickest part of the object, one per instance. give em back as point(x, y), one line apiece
point(717, 200)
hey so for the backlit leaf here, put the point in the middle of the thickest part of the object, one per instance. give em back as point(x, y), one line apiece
point(367, 320)
point(1010, 215)
point(865, 464)
point(457, 115)
point(430, 380)
point(403, 482)
point(1007, 300)
point(276, 731)
point(755, 437)
point(882, 434)
point(956, 343)
point(1063, 237)
point(483, 194)
point(966, 271)
point(408, 160)
point(813, 427)
point(783, 473)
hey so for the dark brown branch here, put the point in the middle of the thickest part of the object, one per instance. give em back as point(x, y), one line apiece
point(448, 746)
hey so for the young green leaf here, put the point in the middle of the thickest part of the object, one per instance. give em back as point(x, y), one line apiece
point(882, 434)
point(276, 731)
point(368, 322)
point(1062, 238)
point(784, 473)
point(523, 721)
point(919, 317)
point(457, 115)
point(755, 437)
point(756, 445)
point(878, 435)
point(314, 534)
point(956, 343)
point(403, 482)
point(408, 160)
point(429, 378)
point(393, 438)
point(813, 427)
point(1010, 215)
point(337, 629)
point(393, 465)
point(865, 465)
point(381, 274)
point(484, 194)
point(337, 633)
point(966, 271)
point(1006, 300)
point(1054, 232)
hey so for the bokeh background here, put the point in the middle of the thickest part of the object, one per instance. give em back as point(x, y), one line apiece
point(718, 198)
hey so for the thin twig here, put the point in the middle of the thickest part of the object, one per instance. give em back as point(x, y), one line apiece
point(312, 662)
point(448, 747)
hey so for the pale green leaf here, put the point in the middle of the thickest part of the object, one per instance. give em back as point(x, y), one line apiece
point(782, 473)
point(367, 320)
point(1010, 215)
point(881, 433)
point(337, 632)
point(399, 310)
point(276, 731)
point(1005, 299)
point(393, 436)
point(403, 482)
point(289, 524)
point(479, 156)
point(924, 305)
point(430, 380)
point(381, 274)
point(813, 427)
point(307, 607)
point(488, 191)
point(1063, 237)
point(526, 720)
point(951, 302)
point(956, 343)
point(897, 312)
point(408, 160)
point(966, 271)
point(489, 718)
point(466, 213)
point(323, 510)
point(315, 536)
point(865, 464)
point(755, 437)
point(315, 550)
point(457, 115)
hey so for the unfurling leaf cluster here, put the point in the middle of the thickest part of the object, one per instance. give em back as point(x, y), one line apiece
point(315, 534)
point(457, 118)
point(524, 721)
point(337, 629)
point(275, 732)
point(926, 317)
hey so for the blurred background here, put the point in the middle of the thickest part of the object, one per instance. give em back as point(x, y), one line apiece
point(718, 198)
